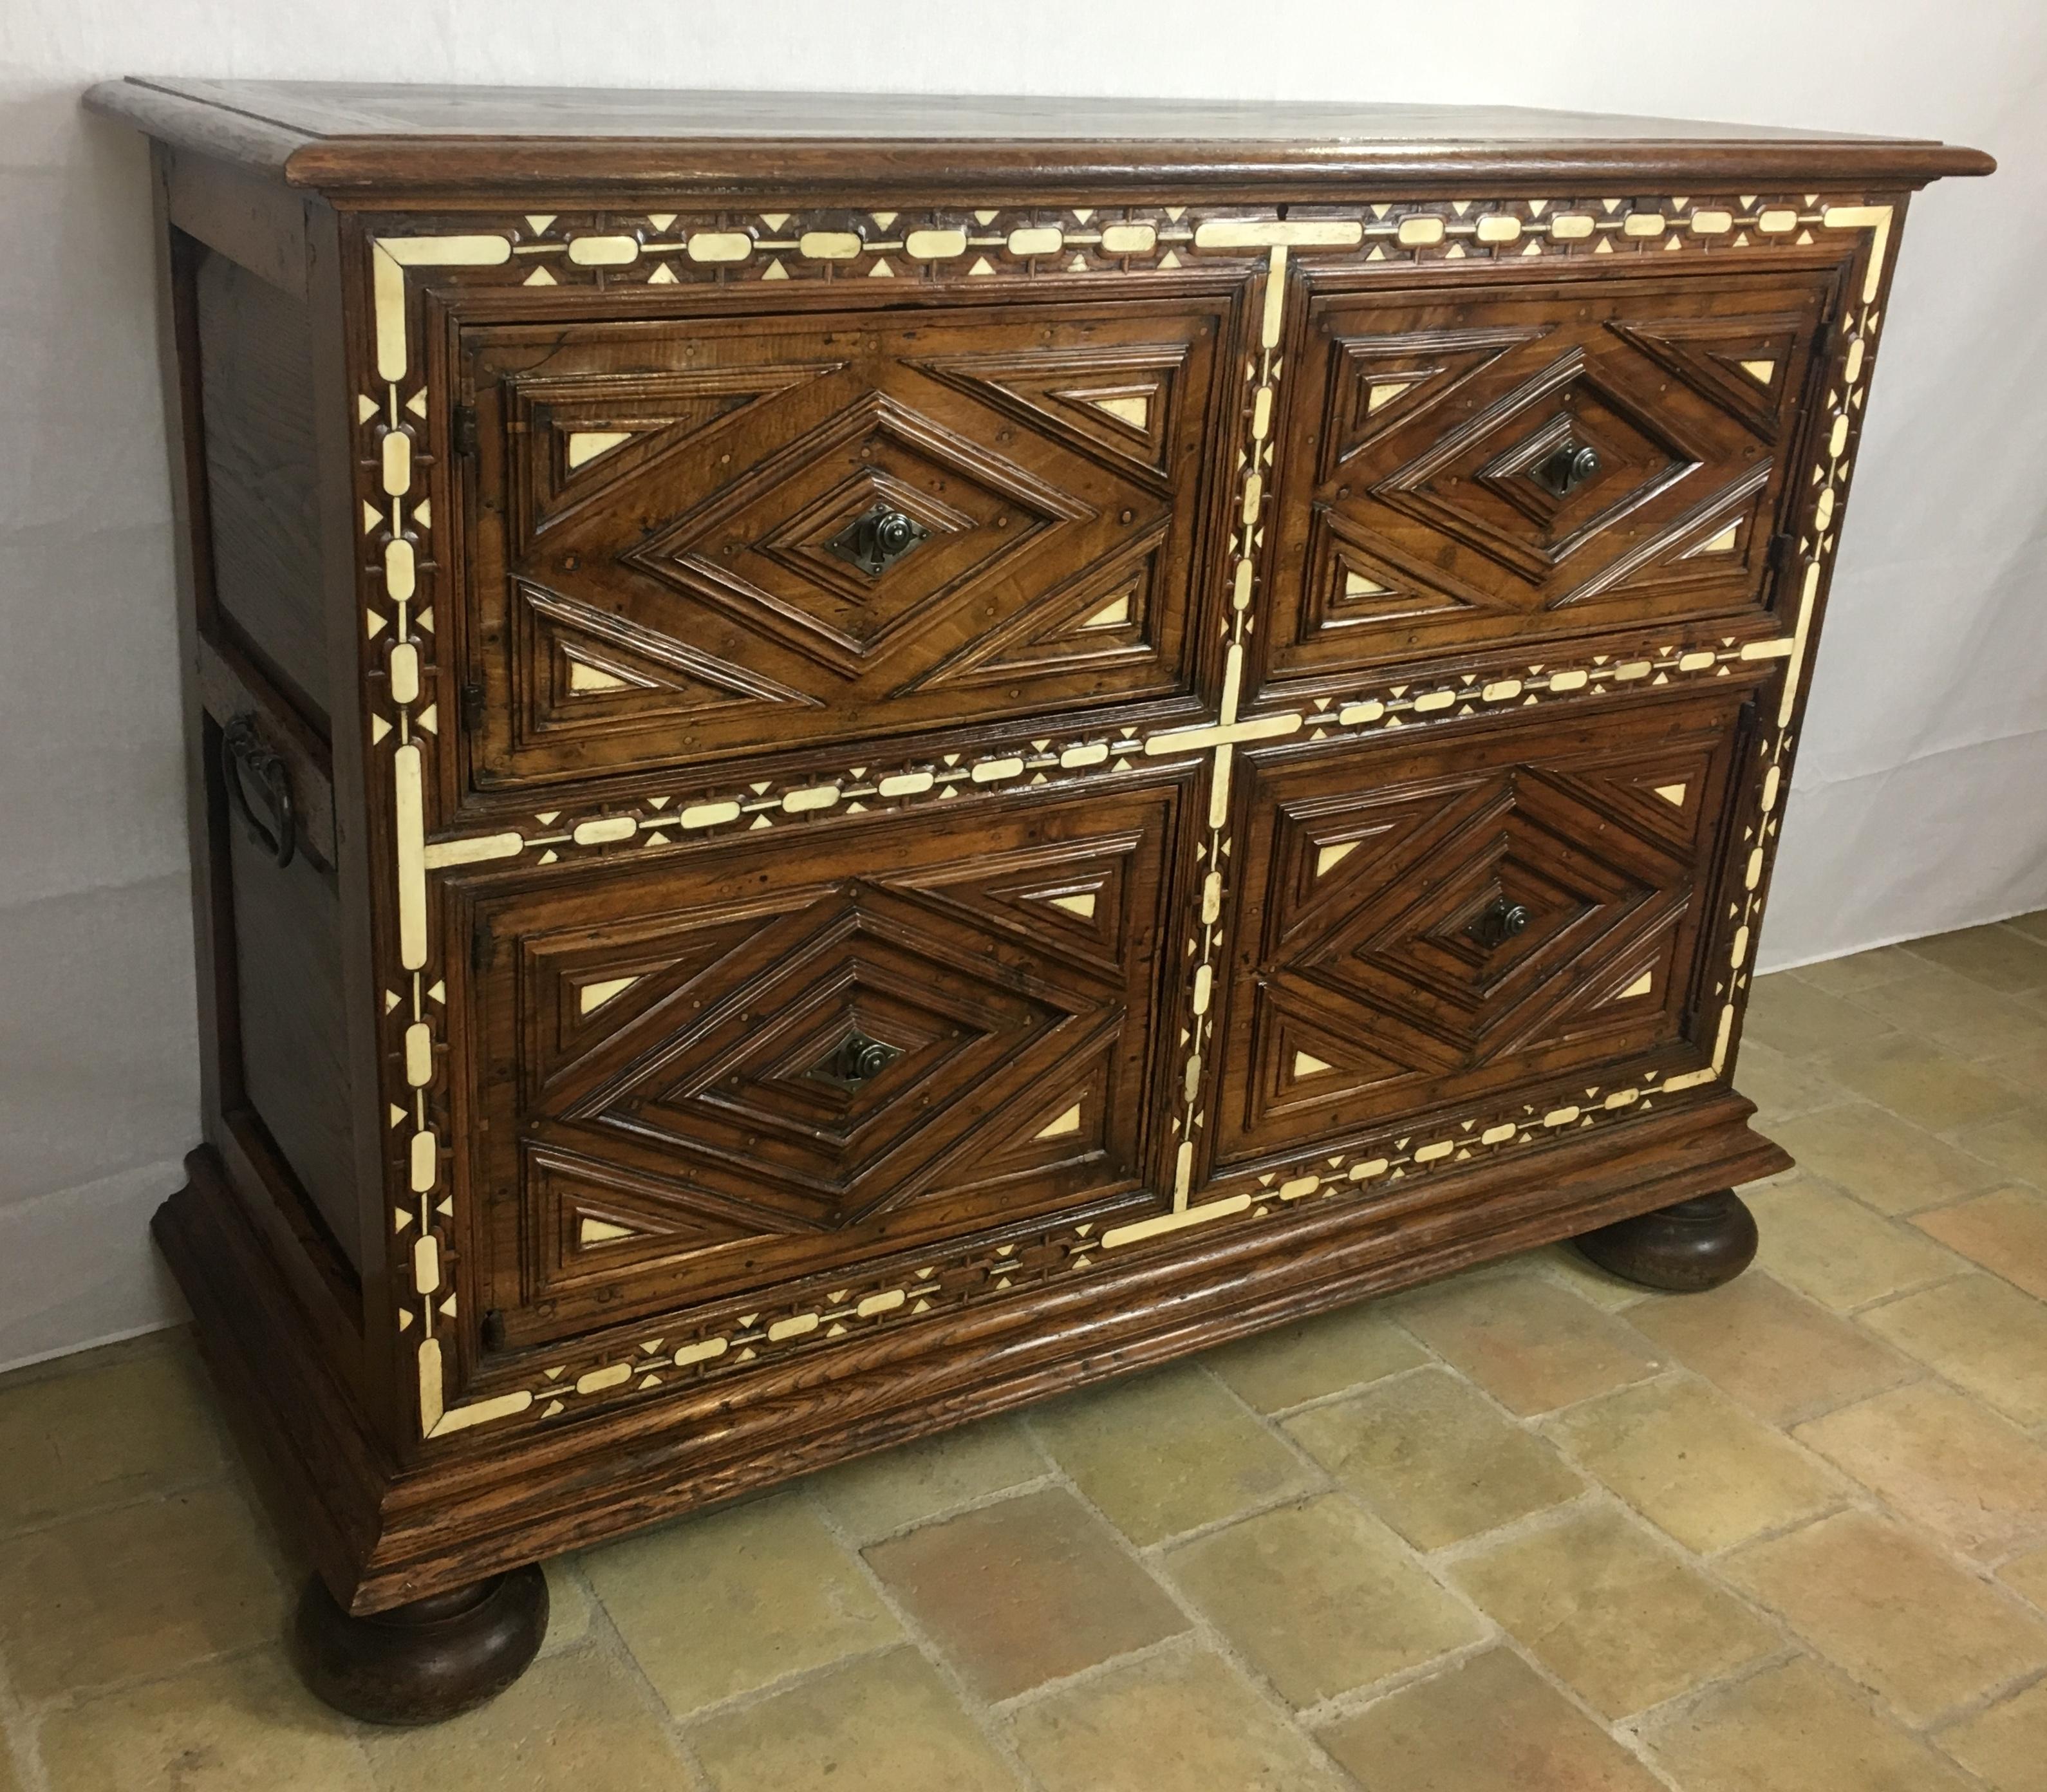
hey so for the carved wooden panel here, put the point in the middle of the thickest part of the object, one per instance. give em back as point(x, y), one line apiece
point(1428, 924)
point(733, 1068)
point(667, 561)
point(478, 1202)
point(1466, 469)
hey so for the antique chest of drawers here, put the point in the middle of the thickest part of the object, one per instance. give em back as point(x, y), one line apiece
point(852, 761)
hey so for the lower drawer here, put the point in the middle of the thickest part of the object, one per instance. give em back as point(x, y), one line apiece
point(1428, 925)
point(702, 1073)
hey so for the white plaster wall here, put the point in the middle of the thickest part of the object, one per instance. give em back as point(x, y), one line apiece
point(1922, 798)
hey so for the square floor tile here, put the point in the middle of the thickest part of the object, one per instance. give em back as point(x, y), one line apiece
point(1167, 1452)
point(1999, 957)
point(898, 1488)
point(578, 1722)
point(885, 1723)
point(2005, 1231)
point(1794, 1728)
point(1944, 1461)
point(1934, 1003)
point(1781, 1086)
point(1889, 1162)
point(2016, 1144)
point(1693, 1463)
point(1318, 1356)
point(569, 1606)
point(1320, 1598)
point(1569, 1267)
point(245, 1725)
point(1928, 1087)
point(1792, 1016)
point(139, 1425)
point(1897, 1615)
point(1834, 1248)
point(1529, 1344)
point(1490, 1724)
point(1980, 1333)
point(1026, 1591)
point(2033, 926)
point(1623, 1621)
point(2006, 1745)
point(2026, 1575)
point(1170, 1723)
point(1856, 972)
point(142, 1589)
point(1779, 1355)
point(1434, 1458)
point(731, 1600)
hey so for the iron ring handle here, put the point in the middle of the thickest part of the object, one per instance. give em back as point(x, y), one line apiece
point(243, 756)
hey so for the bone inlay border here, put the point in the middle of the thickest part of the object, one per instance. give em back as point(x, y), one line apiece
point(403, 716)
point(607, 248)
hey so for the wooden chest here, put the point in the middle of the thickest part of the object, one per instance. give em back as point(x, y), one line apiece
point(852, 761)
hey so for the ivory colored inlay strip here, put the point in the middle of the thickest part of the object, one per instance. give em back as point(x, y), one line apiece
point(1208, 1210)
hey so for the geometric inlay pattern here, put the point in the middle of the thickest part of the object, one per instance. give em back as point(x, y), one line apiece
point(408, 494)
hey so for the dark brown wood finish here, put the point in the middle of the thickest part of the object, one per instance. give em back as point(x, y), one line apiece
point(947, 748)
point(425, 1661)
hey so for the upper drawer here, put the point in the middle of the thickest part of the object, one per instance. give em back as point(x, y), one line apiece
point(703, 536)
point(1469, 469)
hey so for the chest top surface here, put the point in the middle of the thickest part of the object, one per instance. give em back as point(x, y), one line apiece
point(387, 138)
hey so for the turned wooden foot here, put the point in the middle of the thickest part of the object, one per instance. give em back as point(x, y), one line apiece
point(421, 1662)
point(1693, 1245)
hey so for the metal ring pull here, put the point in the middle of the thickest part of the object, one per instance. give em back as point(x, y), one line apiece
point(243, 756)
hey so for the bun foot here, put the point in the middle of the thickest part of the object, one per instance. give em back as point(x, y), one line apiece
point(1685, 1248)
point(422, 1662)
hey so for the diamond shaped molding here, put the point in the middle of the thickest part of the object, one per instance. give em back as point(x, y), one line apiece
point(762, 548)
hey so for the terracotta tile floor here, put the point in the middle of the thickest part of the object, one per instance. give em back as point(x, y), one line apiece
point(1527, 1530)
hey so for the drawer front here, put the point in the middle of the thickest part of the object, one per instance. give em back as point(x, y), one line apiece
point(1470, 469)
point(699, 538)
point(707, 1072)
point(1437, 923)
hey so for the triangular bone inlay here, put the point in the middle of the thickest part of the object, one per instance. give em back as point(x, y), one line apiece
point(1133, 408)
point(592, 996)
point(585, 445)
point(1068, 1122)
point(583, 677)
point(1306, 1064)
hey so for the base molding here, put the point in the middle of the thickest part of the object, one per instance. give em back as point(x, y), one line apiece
point(392, 1524)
